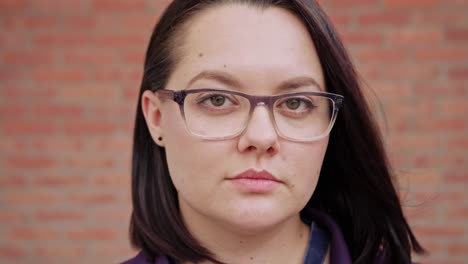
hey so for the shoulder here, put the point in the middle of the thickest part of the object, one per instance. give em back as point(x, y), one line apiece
point(339, 252)
point(141, 258)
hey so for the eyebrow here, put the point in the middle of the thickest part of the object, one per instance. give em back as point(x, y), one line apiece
point(229, 80)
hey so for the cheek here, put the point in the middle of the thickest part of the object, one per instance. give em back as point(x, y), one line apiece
point(191, 161)
point(306, 163)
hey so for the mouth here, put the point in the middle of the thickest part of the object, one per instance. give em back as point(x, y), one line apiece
point(256, 181)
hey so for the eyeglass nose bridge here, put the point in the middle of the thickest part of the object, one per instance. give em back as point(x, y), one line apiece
point(265, 101)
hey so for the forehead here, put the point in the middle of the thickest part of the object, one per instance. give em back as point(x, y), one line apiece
point(267, 45)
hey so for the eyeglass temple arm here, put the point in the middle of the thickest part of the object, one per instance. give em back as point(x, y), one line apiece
point(165, 94)
point(339, 100)
point(176, 96)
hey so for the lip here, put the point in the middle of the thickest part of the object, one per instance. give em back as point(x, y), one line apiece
point(256, 181)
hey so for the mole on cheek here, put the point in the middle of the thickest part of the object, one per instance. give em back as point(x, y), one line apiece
point(200, 54)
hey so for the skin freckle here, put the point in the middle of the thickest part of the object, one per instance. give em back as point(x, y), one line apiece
point(200, 54)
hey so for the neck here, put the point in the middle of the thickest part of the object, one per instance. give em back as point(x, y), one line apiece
point(285, 242)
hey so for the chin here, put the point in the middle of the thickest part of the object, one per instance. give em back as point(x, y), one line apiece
point(254, 220)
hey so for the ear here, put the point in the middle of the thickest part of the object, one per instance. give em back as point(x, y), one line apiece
point(151, 106)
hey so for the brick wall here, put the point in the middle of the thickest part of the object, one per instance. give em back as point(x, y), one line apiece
point(69, 76)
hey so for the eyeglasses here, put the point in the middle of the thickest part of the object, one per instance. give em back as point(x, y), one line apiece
point(222, 114)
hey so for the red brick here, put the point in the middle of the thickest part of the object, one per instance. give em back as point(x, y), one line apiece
point(12, 181)
point(62, 40)
point(341, 21)
point(60, 251)
point(9, 109)
point(52, 110)
point(458, 249)
point(440, 231)
point(431, 160)
point(118, 5)
point(20, 90)
point(446, 54)
point(67, 6)
point(46, 22)
point(29, 162)
point(30, 198)
point(416, 36)
point(23, 127)
point(385, 19)
point(363, 38)
point(91, 58)
point(79, 127)
point(9, 75)
point(92, 234)
point(111, 111)
point(27, 59)
point(32, 233)
point(435, 17)
point(391, 89)
point(92, 198)
point(89, 162)
point(113, 251)
point(458, 143)
point(446, 125)
point(412, 3)
point(121, 41)
point(59, 181)
point(380, 55)
point(112, 180)
point(11, 251)
point(457, 178)
point(453, 108)
point(11, 217)
point(412, 141)
point(58, 215)
point(58, 145)
point(31, 23)
point(457, 34)
point(80, 22)
point(113, 216)
point(409, 72)
point(439, 90)
point(108, 75)
point(350, 4)
point(458, 73)
point(137, 58)
point(137, 21)
point(83, 92)
point(12, 6)
point(56, 75)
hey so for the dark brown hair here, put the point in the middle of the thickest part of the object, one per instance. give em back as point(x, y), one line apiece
point(355, 185)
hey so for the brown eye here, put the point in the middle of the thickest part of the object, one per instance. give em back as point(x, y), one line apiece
point(217, 100)
point(293, 103)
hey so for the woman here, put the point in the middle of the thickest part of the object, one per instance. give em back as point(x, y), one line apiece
point(240, 155)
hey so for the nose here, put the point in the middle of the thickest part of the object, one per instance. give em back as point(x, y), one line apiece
point(260, 134)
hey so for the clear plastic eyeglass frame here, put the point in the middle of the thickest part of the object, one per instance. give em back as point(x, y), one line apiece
point(268, 101)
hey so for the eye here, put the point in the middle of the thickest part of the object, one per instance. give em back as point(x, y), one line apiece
point(217, 100)
point(293, 103)
point(297, 104)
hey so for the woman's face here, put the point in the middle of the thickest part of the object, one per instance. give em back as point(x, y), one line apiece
point(255, 51)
